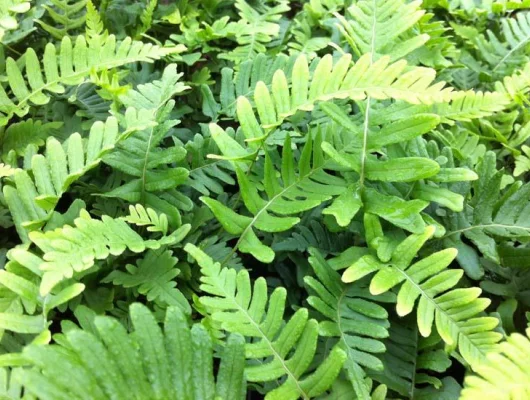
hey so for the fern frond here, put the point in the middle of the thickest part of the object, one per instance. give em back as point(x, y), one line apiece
point(28, 309)
point(284, 350)
point(468, 105)
point(379, 80)
point(411, 361)
point(206, 175)
point(516, 85)
point(8, 11)
point(65, 16)
point(456, 312)
point(146, 19)
point(141, 216)
point(74, 249)
point(18, 136)
point(255, 29)
point(142, 160)
point(32, 198)
point(299, 191)
point(350, 315)
point(304, 42)
point(153, 277)
point(71, 66)
point(503, 374)
point(176, 363)
point(376, 26)
point(491, 215)
point(516, 32)
point(243, 81)
point(313, 234)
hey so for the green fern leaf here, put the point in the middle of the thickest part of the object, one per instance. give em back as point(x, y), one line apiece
point(154, 278)
point(18, 136)
point(491, 215)
point(149, 363)
point(70, 250)
point(411, 361)
point(140, 216)
point(255, 29)
point(297, 192)
point(64, 16)
point(71, 66)
point(378, 27)
point(502, 375)
point(237, 308)
point(32, 199)
point(141, 159)
point(352, 316)
point(8, 11)
point(455, 312)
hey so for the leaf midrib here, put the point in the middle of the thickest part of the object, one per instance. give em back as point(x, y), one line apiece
point(267, 340)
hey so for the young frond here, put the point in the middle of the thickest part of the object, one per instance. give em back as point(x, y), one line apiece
point(283, 349)
point(140, 216)
point(148, 363)
point(456, 312)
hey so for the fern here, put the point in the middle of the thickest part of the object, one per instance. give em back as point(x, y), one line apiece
point(502, 376)
point(455, 311)
point(87, 241)
point(352, 316)
point(489, 215)
point(139, 157)
point(206, 175)
point(411, 361)
point(334, 80)
point(146, 18)
point(153, 277)
point(74, 63)
point(8, 11)
point(373, 28)
point(243, 81)
point(304, 182)
point(149, 363)
point(64, 16)
point(31, 199)
point(310, 188)
point(229, 297)
point(18, 136)
point(255, 29)
point(147, 217)
point(506, 56)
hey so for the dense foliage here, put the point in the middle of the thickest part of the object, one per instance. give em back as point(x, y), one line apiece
point(230, 199)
